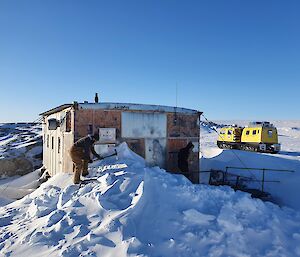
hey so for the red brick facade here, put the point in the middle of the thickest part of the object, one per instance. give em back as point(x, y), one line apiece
point(181, 128)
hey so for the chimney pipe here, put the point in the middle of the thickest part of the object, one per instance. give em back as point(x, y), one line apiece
point(96, 98)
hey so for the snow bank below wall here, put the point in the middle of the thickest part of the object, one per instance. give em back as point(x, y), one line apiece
point(133, 210)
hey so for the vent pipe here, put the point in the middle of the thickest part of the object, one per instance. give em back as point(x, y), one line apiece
point(96, 98)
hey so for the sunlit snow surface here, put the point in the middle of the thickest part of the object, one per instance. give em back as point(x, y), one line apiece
point(133, 210)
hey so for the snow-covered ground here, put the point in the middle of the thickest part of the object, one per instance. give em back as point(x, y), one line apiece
point(134, 210)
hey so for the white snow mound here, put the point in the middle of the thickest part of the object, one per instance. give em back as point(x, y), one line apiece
point(134, 210)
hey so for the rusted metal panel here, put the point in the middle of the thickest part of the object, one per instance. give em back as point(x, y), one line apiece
point(144, 125)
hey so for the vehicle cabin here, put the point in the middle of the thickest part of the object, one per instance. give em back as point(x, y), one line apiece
point(230, 134)
point(156, 133)
point(258, 136)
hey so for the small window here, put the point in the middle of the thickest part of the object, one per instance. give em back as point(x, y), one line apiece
point(52, 143)
point(58, 145)
point(68, 122)
point(270, 133)
point(229, 132)
point(247, 132)
point(254, 132)
point(48, 141)
point(222, 132)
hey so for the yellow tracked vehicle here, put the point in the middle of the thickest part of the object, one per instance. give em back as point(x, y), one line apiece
point(257, 136)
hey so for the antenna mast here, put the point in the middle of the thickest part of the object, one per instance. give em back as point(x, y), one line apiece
point(176, 95)
point(175, 116)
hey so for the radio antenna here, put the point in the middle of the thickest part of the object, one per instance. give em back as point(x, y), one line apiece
point(175, 116)
point(176, 95)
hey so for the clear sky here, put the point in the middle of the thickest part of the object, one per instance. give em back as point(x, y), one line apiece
point(230, 59)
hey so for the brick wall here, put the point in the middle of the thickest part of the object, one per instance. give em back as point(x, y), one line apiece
point(85, 118)
point(180, 125)
point(180, 130)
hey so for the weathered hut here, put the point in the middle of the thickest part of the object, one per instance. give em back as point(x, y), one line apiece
point(152, 131)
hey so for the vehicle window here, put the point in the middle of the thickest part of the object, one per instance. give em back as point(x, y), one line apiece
point(270, 133)
point(229, 132)
point(254, 132)
point(247, 132)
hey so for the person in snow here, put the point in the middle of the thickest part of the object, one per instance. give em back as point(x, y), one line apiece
point(81, 155)
point(183, 159)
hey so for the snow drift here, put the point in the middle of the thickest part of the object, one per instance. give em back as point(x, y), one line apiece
point(134, 210)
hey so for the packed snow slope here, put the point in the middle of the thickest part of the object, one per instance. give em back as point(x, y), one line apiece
point(134, 210)
point(286, 192)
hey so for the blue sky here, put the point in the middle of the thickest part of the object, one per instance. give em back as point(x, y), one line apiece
point(230, 59)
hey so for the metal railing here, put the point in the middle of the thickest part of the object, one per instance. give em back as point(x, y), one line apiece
point(263, 170)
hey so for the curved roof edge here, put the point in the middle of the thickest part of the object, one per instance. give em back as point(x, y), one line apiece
point(123, 106)
point(136, 107)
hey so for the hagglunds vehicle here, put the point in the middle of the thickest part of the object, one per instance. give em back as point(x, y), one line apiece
point(257, 136)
